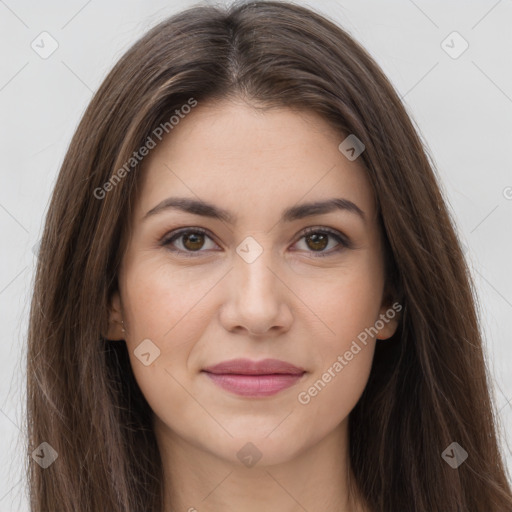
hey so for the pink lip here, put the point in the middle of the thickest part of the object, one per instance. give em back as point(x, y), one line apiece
point(254, 378)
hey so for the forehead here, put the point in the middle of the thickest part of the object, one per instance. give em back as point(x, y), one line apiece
point(248, 160)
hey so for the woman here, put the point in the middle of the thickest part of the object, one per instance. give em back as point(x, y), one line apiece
point(250, 294)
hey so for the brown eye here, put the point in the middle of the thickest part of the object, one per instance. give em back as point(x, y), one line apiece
point(193, 241)
point(317, 241)
point(188, 241)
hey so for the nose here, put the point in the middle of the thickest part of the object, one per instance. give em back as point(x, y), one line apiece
point(257, 298)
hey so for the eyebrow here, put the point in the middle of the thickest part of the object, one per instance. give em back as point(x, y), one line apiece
point(205, 209)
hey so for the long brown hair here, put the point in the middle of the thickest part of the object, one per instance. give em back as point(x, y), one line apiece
point(428, 386)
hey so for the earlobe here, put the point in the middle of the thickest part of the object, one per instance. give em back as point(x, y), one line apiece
point(115, 329)
point(387, 322)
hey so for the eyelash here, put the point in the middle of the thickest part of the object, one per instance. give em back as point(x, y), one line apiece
point(343, 241)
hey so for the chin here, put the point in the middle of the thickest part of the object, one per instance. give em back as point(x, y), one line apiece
point(256, 451)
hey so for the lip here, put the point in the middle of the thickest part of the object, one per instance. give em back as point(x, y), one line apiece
point(250, 367)
point(254, 378)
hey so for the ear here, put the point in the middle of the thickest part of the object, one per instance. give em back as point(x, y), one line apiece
point(115, 319)
point(389, 317)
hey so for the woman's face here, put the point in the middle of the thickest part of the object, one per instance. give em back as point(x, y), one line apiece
point(251, 283)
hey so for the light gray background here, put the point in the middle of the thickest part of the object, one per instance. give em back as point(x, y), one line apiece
point(462, 107)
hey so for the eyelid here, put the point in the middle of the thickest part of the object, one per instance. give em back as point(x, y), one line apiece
point(341, 238)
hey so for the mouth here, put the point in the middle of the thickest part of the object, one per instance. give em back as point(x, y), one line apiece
point(254, 378)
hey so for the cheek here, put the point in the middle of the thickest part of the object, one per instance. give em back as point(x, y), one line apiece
point(164, 303)
point(166, 317)
point(347, 303)
point(349, 307)
point(343, 359)
point(327, 399)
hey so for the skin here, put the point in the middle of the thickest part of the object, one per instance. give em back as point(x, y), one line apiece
point(288, 304)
